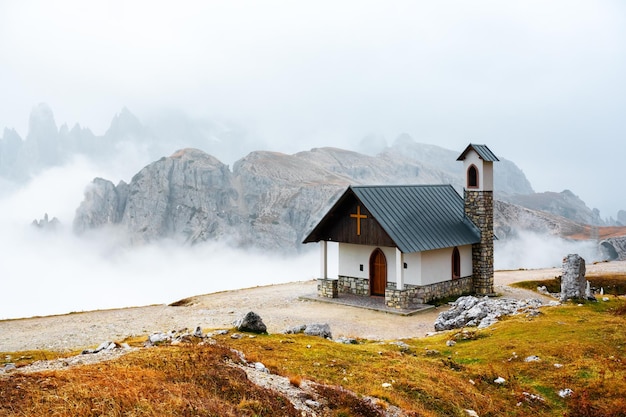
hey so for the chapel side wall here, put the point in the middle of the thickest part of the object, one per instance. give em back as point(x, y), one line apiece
point(437, 264)
point(413, 272)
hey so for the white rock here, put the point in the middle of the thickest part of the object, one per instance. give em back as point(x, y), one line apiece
point(566, 392)
point(532, 358)
point(386, 385)
point(499, 380)
point(260, 367)
point(471, 413)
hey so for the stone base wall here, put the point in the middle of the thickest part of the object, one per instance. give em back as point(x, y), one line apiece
point(413, 294)
point(327, 288)
point(410, 295)
point(352, 285)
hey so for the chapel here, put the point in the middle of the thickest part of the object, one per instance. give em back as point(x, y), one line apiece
point(412, 244)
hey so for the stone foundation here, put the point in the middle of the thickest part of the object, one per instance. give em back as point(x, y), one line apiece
point(327, 288)
point(352, 285)
point(413, 294)
point(410, 295)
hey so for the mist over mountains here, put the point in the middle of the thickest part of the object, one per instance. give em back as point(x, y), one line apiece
point(46, 146)
point(123, 210)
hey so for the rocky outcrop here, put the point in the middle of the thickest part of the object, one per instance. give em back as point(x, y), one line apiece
point(510, 219)
point(482, 312)
point(564, 204)
point(189, 195)
point(614, 248)
point(270, 200)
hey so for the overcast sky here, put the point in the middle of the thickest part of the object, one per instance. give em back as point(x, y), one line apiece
point(541, 82)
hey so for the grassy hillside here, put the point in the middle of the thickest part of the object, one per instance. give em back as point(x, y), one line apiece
point(578, 347)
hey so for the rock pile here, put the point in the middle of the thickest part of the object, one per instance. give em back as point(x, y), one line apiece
point(482, 312)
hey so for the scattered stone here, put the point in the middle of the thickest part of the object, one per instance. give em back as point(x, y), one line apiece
point(532, 358)
point(566, 392)
point(346, 340)
point(8, 367)
point(312, 403)
point(236, 336)
point(260, 367)
point(221, 332)
point(102, 346)
point(470, 311)
point(318, 329)
point(156, 338)
point(605, 298)
point(471, 413)
point(558, 365)
point(450, 343)
point(499, 380)
point(251, 322)
point(533, 397)
point(198, 332)
point(432, 352)
point(403, 346)
point(542, 289)
point(386, 385)
point(295, 329)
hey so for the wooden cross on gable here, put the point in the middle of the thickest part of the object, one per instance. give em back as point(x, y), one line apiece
point(358, 216)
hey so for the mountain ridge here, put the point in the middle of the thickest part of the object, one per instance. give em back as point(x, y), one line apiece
point(269, 200)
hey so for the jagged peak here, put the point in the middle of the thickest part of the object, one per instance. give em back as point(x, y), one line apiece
point(124, 122)
point(41, 121)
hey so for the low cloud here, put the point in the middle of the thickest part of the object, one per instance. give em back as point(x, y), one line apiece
point(532, 250)
point(56, 272)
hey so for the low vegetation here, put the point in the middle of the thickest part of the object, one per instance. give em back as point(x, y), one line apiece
point(612, 284)
point(568, 361)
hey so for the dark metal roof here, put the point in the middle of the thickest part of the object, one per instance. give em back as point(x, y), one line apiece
point(482, 150)
point(419, 217)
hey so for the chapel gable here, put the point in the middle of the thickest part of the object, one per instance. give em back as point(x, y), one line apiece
point(349, 221)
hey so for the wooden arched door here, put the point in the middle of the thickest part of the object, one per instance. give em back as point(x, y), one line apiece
point(378, 273)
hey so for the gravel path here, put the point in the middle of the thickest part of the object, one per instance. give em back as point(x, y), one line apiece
point(278, 305)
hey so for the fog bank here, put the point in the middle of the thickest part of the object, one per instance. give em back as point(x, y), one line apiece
point(55, 272)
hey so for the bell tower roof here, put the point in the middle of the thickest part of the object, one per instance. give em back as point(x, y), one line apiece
point(482, 150)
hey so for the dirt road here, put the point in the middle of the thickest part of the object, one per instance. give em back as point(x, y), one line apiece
point(278, 305)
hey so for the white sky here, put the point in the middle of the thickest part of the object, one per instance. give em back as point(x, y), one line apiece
point(541, 82)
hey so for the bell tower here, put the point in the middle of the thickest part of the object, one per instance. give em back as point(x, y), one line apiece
point(478, 168)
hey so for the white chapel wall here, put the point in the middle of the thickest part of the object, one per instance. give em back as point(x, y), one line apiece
point(351, 256)
point(437, 264)
point(413, 270)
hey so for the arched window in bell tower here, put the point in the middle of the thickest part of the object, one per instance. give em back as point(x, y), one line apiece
point(472, 177)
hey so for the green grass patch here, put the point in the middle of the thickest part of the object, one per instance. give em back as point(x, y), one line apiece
point(613, 284)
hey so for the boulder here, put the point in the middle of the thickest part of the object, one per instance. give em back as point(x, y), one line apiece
point(318, 329)
point(573, 282)
point(252, 323)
